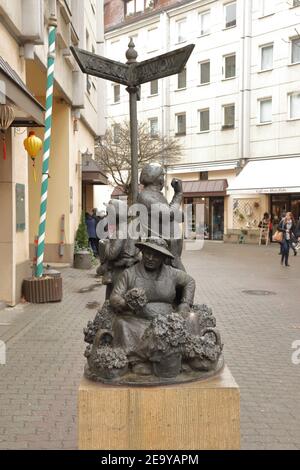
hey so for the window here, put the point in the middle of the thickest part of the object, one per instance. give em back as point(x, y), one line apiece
point(267, 7)
point(205, 72)
point(116, 93)
point(181, 79)
point(265, 110)
point(116, 133)
point(296, 3)
point(266, 57)
point(294, 105)
point(181, 124)
point(204, 23)
point(204, 120)
point(181, 30)
point(230, 15)
point(153, 38)
point(229, 65)
point(137, 6)
point(153, 127)
point(295, 51)
point(154, 87)
point(228, 116)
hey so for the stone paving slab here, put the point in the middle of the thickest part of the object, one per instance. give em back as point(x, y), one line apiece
point(38, 385)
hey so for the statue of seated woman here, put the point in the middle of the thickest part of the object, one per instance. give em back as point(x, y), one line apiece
point(146, 322)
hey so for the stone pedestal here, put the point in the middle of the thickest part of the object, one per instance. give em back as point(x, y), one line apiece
point(198, 415)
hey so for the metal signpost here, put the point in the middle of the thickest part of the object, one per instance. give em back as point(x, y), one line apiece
point(133, 74)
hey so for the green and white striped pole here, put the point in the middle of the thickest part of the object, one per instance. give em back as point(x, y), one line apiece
point(46, 148)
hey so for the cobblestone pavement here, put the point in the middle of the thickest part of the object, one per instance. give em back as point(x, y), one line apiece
point(38, 386)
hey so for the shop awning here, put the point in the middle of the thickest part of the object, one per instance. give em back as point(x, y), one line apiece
point(92, 173)
point(267, 176)
point(205, 188)
point(28, 111)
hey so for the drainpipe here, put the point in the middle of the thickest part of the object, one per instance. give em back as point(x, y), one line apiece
point(245, 81)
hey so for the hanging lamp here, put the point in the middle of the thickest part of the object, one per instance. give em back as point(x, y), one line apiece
point(33, 145)
point(7, 116)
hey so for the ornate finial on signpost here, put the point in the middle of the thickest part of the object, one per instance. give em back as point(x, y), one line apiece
point(131, 53)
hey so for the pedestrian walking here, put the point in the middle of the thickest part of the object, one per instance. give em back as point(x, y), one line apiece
point(287, 227)
point(91, 225)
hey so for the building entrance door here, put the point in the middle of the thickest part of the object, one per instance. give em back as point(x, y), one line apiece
point(217, 218)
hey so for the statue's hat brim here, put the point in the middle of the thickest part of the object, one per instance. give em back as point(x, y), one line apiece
point(155, 247)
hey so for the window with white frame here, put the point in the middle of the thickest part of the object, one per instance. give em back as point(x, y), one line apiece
point(116, 133)
point(204, 19)
point(154, 87)
point(181, 79)
point(230, 15)
point(228, 116)
point(295, 44)
point(116, 93)
point(153, 126)
point(204, 72)
point(137, 6)
point(266, 57)
point(180, 124)
point(181, 30)
point(267, 7)
point(204, 120)
point(294, 105)
point(229, 66)
point(153, 39)
point(265, 110)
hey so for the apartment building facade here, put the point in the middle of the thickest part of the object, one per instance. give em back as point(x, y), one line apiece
point(77, 120)
point(234, 108)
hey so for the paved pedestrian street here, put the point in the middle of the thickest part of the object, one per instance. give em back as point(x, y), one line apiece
point(44, 363)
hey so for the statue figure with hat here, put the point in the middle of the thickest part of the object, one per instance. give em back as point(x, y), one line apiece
point(147, 333)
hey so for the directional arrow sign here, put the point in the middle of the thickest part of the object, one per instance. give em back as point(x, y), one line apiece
point(161, 66)
point(137, 73)
point(93, 64)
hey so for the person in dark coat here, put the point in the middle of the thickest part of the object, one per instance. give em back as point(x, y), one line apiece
point(287, 227)
point(91, 229)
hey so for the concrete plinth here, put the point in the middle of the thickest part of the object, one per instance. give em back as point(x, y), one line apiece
point(197, 415)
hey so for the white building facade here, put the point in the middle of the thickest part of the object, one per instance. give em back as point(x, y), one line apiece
point(237, 102)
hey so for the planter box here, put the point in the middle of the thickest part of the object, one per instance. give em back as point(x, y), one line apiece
point(82, 260)
point(42, 290)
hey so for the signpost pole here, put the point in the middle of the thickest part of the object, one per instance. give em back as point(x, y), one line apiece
point(134, 142)
point(131, 56)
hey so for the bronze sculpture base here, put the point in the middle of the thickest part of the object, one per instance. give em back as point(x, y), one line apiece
point(152, 381)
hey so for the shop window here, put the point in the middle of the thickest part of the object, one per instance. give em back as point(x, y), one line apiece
point(181, 79)
point(266, 57)
point(205, 72)
point(229, 66)
point(230, 15)
point(181, 124)
point(265, 110)
point(228, 116)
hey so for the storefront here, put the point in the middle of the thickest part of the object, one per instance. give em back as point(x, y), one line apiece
point(26, 111)
point(209, 197)
point(271, 185)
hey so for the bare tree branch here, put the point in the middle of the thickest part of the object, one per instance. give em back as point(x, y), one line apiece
point(112, 151)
